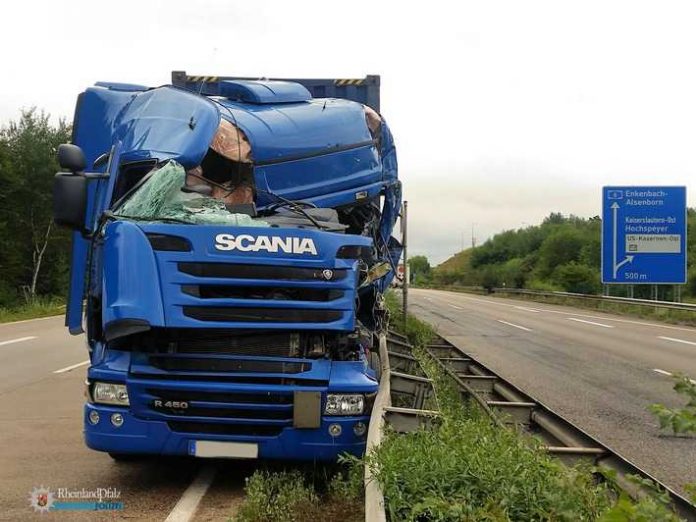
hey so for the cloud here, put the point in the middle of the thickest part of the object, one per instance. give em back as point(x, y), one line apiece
point(503, 111)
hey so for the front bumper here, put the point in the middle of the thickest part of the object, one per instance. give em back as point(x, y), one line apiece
point(138, 436)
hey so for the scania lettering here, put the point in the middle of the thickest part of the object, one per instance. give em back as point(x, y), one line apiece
point(231, 243)
point(247, 243)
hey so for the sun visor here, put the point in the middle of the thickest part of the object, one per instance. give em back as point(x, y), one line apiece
point(167, 123)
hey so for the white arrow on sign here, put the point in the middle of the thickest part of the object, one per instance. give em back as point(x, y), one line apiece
point(628, 259)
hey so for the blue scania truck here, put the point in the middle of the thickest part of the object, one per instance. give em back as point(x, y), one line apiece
point(232, 240)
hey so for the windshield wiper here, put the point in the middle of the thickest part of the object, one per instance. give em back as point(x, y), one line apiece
point(292, 206)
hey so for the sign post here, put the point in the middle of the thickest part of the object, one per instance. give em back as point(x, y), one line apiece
point(644, 235)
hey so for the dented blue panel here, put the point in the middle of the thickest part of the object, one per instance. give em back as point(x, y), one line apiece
point(167, 123)
point(349, 172)
point(131, 288)
point(286, 131)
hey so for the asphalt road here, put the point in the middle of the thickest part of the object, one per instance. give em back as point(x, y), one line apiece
point(41, 440)
point(599, 371)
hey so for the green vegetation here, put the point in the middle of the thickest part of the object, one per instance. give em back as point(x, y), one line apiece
point(562, 253)
point(464, 468)
point(37, 307)
point(680, 420)
point(691, 491)
point(35, 258)
point(419, 268)
point(296, 496)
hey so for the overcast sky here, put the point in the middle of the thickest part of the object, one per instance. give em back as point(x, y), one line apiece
point(503, 111)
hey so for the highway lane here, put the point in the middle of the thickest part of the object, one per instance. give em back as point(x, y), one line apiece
point(598, 370)
point(31, 350)
point(41, 439)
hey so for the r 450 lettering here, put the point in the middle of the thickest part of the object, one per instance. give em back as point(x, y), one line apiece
point(170, 405)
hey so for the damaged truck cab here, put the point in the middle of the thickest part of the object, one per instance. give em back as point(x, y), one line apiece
point(232, 242)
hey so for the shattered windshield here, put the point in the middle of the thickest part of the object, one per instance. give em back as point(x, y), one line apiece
point(160, 198)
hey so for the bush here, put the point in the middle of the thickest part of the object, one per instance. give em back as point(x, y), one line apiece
point(577, 278)
point(276, 497)
point(679, 420)
point(322, 493)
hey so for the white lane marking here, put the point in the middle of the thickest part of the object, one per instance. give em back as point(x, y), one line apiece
point(455, 306)
point(589, 322)
point(578, 314)
point(533, 310)
point(72, 367)
point(428, 298)
point(187, 505)
point(514, 325)
point(675, 340)
point(668, 374)
point(18, 340)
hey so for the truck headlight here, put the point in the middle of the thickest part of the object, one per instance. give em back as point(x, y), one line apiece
point(344, 404)
point(109, 393)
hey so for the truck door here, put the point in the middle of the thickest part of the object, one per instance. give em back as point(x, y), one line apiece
point(95, 113)
point(81, 264)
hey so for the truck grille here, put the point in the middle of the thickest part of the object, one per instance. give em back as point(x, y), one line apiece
point(222, 342)
point(215, 364)
point(261, 292)
point(240, 271)
point(274, 297)
point(261, 315)
point(222, 413)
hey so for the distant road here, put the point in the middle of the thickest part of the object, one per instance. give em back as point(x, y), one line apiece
point(600, 371)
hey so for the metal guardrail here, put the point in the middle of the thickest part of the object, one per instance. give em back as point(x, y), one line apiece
point(374, 498)
point(401, 382)
point(405, 383)
point(671, 305)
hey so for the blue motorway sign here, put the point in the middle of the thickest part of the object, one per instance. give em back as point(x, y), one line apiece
point(644, 235)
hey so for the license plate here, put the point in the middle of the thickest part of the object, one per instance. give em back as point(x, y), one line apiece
point(217, 449)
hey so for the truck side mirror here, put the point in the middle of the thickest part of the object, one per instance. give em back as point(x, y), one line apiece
point(71, 157)
point(70, 200)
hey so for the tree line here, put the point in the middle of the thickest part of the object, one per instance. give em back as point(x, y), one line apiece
point(562, 253)
point(35, 257)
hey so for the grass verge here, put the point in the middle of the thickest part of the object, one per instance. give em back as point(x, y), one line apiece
point(39, 307)
point(331, 494)
point(464, 468)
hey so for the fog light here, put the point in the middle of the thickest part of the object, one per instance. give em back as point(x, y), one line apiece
point(117, 420)
point(359, 429)
point(93, 417)
point(335, 430)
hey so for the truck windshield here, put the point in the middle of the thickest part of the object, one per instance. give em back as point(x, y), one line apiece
point(160, 198)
